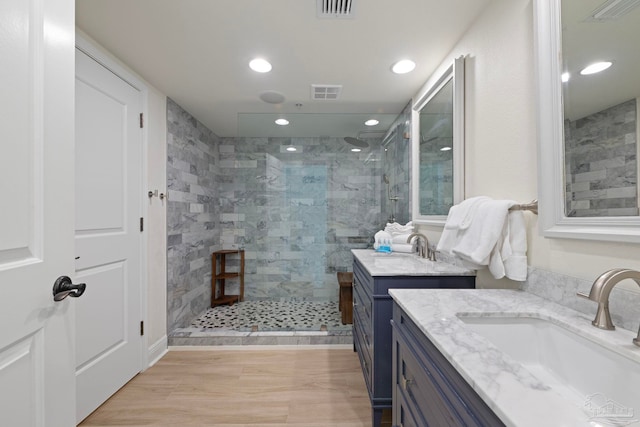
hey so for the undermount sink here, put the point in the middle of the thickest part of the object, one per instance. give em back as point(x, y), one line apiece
point(587, 373)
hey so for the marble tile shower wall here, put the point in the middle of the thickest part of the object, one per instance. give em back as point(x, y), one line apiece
point(396, 156)
point(601, 163)
point(192, 215)
point(297, 214)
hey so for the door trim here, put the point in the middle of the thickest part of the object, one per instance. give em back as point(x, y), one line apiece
point(90, 48)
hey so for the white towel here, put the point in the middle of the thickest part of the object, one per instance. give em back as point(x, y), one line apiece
point(477, 242)
point(402, 238)
point(404, 248)
point(511, 259)
point(459, 217)
point(394, 228)
point(483, 232)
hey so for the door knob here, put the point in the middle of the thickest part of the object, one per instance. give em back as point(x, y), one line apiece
point(63, 288)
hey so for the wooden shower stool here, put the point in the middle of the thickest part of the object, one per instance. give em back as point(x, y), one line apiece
point(345, 303)
point(218, 278)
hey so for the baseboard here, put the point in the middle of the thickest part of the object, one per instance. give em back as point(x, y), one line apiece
point(261, 347)
point(157, 350)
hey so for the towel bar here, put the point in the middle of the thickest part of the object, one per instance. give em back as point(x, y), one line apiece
point(531, 206)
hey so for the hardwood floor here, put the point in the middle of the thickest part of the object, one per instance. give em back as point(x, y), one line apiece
point(239, 388)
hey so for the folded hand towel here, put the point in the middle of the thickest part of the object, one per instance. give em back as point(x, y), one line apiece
point(402, 238)
point(394, 228)
point(404, 248)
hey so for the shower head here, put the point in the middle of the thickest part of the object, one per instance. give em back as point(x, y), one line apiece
point(385, 178)
point(356, 142)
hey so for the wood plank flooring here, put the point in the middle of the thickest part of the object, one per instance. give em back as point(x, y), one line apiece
point(241, 388)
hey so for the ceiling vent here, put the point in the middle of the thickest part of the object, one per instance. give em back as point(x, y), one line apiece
point(325, 92)
point(612, 10)
point(340, 9)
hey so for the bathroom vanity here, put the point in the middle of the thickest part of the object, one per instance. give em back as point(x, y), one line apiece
point(500, 357)
point(427, 389)
point(373, 275)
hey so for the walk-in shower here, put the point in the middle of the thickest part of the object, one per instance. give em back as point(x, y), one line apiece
point(297, 215)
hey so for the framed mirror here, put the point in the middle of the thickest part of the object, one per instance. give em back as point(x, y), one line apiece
point(437, 142)
point(588, 123)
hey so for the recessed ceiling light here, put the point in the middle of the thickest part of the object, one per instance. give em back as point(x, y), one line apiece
point(292, 149)
point(282, 122)
point(371, 122)
point(260, 65)
point(445, 149)
point(356, 150)
point(565, 77)
point(404, 66)
point(596, 67)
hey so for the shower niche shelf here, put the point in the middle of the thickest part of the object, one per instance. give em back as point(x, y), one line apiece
point(220, 275)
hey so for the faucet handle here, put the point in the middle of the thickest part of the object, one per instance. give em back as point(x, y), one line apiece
point(583, 295)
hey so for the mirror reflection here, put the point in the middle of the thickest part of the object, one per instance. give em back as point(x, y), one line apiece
point(437, 145)
point(436, 153)
point(600, 108)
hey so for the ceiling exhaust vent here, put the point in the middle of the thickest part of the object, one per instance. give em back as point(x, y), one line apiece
point(612, 10)
point(325, 92)
point(340, 9)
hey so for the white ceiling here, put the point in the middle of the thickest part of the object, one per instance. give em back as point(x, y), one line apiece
point(197, 53)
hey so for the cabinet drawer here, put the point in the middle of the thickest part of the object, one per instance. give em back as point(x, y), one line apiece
point(402, 415)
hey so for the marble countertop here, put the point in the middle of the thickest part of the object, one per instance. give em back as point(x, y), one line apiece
point(515, 394)
point(403, 264)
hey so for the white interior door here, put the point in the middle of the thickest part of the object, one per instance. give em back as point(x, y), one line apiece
point(37, 358)
point(107, 232)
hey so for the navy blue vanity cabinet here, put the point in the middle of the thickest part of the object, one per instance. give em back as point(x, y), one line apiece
point(427, 389)
point(372, 311)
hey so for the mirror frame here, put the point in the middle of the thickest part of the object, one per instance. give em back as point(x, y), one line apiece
point(455, 72)
point(553, 221)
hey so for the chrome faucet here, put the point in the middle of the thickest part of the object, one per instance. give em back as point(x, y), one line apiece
point(600, 291)
point(423, 248)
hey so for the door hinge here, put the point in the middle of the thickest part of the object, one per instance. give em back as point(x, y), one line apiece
point(142, 327)
point(141, 224)
point(141, 120)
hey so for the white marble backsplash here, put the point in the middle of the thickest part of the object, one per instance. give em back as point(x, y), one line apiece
point(562, 289)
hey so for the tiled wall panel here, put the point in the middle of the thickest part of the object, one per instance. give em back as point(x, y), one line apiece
point(601, 163)
point(192, 215)
point(298, 214)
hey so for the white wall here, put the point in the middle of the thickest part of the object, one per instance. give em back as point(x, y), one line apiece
point(156, 218)
point(500, 123)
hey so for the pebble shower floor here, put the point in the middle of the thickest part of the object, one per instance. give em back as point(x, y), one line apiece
point(273, 316)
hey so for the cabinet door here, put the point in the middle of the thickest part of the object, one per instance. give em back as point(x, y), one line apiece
point(402, 416)
point(417, 389)
point(431, 387)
